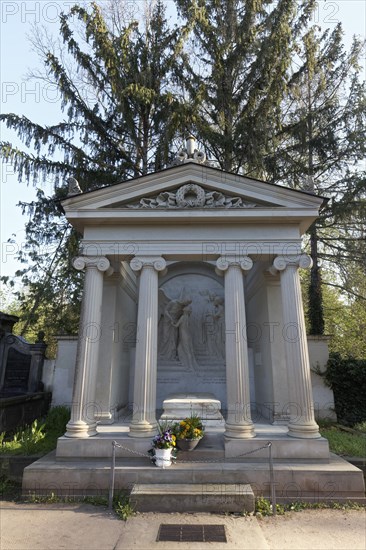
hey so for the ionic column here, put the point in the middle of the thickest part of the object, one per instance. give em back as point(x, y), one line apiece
point(302, 423)
point(239, 422)
point(82, 422)
point(143, 422)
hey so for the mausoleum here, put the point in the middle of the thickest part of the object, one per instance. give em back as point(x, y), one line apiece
point(192, 302)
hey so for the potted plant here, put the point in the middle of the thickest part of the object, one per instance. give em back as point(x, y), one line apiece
point(163, 444)
point(188, 432)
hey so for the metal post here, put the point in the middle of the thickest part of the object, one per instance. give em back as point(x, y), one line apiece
point(271, 480)
point(111, 483)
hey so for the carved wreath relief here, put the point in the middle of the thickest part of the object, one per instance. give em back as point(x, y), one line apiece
point(191, 196)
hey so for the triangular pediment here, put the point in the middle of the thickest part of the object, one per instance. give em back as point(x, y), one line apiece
point(192, 187)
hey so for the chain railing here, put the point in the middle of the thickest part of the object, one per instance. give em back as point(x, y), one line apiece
point(268, 446)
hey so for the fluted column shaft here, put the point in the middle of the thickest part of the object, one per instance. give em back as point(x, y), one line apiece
point(238, 422)
point(302, 423)
point(143, 422)
point(82, 422)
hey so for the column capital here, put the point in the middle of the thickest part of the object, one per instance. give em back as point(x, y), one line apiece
point(99, 262)
point(296, 260)
point(156, 262)
point(224, 262)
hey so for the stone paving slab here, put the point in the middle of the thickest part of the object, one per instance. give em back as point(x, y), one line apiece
point(86, 527)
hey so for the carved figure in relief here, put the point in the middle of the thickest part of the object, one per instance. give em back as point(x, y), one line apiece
point(219, 325)
point(175, 332)
point(185, 343)
point(213, 325)
point(208, 335)
point(170, 313)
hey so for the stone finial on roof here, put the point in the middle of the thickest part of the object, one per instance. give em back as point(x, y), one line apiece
point(74, 187)
point(190, 153)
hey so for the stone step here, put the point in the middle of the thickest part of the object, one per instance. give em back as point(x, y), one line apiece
point(213, 446)
point(295, 481)
point(184, 497)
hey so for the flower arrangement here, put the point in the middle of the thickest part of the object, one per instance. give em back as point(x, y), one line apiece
point(163, 449)
point(164, 440)
point(189, 428)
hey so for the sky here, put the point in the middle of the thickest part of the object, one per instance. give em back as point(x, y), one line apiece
point(40, 102)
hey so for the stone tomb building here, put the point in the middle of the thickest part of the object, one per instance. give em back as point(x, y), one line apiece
point(192, 293)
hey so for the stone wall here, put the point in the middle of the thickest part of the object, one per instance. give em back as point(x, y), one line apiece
point(322, 394)
point(63, 374)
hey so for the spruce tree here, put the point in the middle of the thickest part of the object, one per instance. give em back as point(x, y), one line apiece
point(240, 56)
point(320, 148)
point(121, 117)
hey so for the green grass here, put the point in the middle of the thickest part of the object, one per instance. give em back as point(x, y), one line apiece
point(121, 502)
point(343, 443)
point(263, 506)
point(39, 438)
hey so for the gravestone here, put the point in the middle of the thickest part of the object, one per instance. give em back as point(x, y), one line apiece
point(21, 396)
point(20, 364)
point(17, 371)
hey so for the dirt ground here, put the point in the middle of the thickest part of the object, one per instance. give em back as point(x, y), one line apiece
point(316, 529)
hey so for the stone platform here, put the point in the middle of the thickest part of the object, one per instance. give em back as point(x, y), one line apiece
point(183, 405)
point(303, 469)
point(214, 444)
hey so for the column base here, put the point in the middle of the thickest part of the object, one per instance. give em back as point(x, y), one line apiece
point(304, 431)
point(79, 428)
point(239, 431)
point(143, 429)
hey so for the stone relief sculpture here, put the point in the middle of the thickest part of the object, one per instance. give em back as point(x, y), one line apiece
point(191, 333)
point(191, 328)
point(213, 325)
point(185, 342)
point(208, 330)
point(191, 196)
point(163, 200)
point(169, 315)
point(219, 325)
point(175, 333)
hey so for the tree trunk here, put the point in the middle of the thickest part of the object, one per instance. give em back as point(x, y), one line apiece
point(315, 298)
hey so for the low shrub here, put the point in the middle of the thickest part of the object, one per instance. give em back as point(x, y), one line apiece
point(38, 438)
point(347, 378)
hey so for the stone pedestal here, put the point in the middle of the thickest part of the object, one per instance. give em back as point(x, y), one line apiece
point(184, 405)
point(238, 423)
point(302, 423)
point(144, 397)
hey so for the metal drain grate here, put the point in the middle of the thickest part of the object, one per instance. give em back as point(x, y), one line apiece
point(191, 533)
